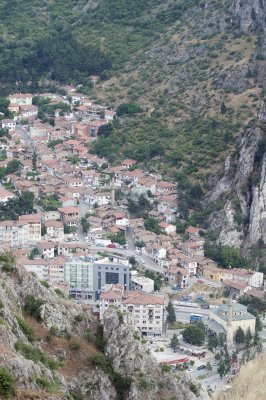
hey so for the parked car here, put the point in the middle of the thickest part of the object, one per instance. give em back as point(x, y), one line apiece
point(111, 246)
point(205, 306)
point(190, 370)
point(201, 367)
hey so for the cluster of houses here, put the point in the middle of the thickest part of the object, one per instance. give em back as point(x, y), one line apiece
point(56, 164)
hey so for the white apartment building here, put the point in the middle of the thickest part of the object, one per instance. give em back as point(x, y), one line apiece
point(142, 284)
point(55, 230)
point(146, 310)
point(39, 266)
point(57, 270)
point(33, 221)
point(78, 274)
point(251, 278)
point(13, 234)
point(47, 249)
point(9, 124)
point(20, 99)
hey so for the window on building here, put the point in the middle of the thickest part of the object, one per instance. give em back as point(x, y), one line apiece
point(99, 280)
point(111, 277)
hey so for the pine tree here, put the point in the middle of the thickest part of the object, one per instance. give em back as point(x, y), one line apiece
point(171, 317)
point(223, 108)
point(221, 369)
point(256, 339)
point(212, 343)
point(174, 342)
point(259, 325)
point(240, 336)
point(248, 338)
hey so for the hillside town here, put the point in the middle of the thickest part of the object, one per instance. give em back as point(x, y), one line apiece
point(107, 235)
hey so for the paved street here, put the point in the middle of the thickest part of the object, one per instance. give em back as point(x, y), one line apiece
point(25, 136)
point(183, 313)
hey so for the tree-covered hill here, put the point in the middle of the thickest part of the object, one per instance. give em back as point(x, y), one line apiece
point(199, 84)
point(69, 40)
point(194, 68)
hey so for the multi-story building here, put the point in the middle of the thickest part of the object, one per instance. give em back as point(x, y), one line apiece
point(55, 230)
point(47, 249)
point(9, 124)
point(39, 266)
point(57, 270)
point(142, 283)
point(33, 221)
point(146, 310)
point(78, 274)
point(112, 270)
point(20, 99)
point(13, 234)
point(69, 215)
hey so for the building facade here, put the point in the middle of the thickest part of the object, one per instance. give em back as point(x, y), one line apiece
point(146, 310)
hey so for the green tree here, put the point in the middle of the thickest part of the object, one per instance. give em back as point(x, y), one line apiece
point(208, 366)
point(248, 338)
point(259, 325)
point(32, 306)
point(34, 253)
point(105, 130)
point(34, 161)
point(223, 108)
point(8, 261)
point(231, 257)
point(212, 342)
point(132, 260)
point(128, 109)
point(256, 339)
point(227, 361)
point(240, 336)
point(194, 334)
point(152, 224)
point(85, 224)
point(156, 277)
point(50, 202)
point(174, 343)
point(43, 230)
point(221, 369)
point(7, 384)
point(171, 317)
point(13, 166)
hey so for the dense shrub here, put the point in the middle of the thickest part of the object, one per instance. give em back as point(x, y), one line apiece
point(32, 307)
point(7, 384)
point(27, 329)
point(36, 355)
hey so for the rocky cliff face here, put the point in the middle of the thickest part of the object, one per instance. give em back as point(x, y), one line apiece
point(251, 15)
point(56, 349)
point(239, 196)
point(242, 220)
point(132, 360)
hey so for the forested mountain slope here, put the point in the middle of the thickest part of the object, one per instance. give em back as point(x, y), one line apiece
point(199, 83)
point(195, 67)
point(189, 74)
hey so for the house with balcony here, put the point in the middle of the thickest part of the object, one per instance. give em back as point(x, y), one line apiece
point(69, 215)
point(146, 310)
